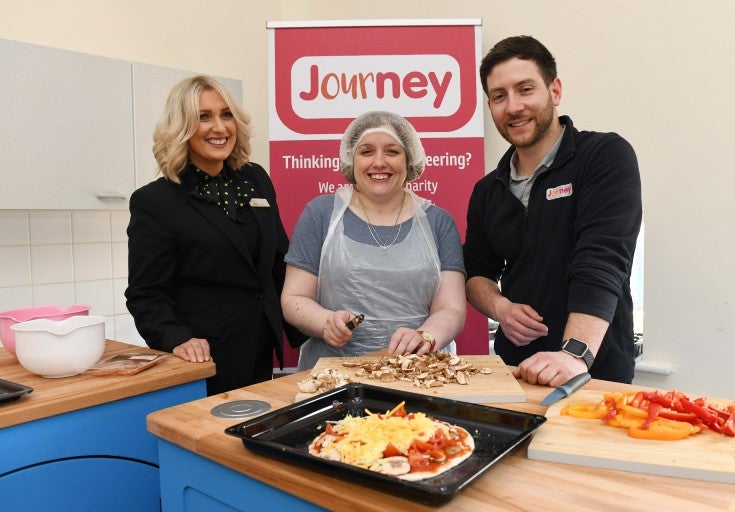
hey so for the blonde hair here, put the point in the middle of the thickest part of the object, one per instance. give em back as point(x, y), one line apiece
point(180, 120)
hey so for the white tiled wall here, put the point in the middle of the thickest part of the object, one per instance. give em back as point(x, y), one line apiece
point(50, 257)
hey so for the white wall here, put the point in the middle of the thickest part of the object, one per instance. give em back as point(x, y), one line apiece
point(64, 257)
point(659, 72)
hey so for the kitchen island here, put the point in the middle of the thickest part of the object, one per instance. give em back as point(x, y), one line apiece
point(202, 468)
point(80, 443)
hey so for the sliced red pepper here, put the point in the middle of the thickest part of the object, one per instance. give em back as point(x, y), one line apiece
point(729, 427)
point(422, 446)
point(657, 415)
point(438, 436)
point(399, 412)
point(666, 401)
point(708, 418)
point(722, 413)
point(653, 410)
point(639, 400)
point(688, 417)
point(418, 460)
point(612, 409)
point(390, 451)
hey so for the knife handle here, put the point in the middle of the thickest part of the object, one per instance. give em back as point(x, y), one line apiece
point(577, 382)
point(355, 322)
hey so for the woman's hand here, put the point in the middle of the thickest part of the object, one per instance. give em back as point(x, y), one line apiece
point(196, 350)
point(335, 332)
point(408, 341)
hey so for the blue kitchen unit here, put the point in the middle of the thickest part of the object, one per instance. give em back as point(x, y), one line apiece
point(80, 443)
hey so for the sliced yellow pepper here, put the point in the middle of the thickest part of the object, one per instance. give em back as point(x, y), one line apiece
point(665, 430)
point(620, 414)
point(591, 411)
point(629, 410)
point(625, 421)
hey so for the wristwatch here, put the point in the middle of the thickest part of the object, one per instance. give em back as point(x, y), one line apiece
point(429, 338)
point(578, 349)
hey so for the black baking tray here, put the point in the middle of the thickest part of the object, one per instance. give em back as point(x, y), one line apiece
point(12, 391)
point(286, 434)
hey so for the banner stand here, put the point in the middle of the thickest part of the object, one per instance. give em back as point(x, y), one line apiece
point(323, 74)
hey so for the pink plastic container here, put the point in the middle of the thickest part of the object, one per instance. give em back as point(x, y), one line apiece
point(14, 316)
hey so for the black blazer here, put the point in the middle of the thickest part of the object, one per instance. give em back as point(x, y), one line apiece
point(190, 274)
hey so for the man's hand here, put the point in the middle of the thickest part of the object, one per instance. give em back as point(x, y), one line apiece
point(549, 368)
point(521, 323)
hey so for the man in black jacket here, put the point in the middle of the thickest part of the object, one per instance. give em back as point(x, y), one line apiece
point(552, 231)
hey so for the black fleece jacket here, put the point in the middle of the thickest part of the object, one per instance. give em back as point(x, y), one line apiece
point(571, 250)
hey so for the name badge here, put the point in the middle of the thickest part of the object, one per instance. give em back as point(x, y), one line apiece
point(259, 202)
point(559, 192)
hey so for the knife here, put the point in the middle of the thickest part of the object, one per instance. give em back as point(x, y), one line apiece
point(567, 389)
point(355, 322)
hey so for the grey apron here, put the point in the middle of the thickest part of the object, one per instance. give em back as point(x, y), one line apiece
point(392, 287)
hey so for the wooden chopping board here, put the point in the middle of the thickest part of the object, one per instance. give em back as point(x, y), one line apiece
point(498, 386)
point(589, 442)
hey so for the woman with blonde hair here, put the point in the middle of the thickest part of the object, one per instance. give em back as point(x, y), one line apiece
point(206, 242)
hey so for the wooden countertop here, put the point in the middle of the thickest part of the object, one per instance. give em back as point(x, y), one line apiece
point(515, 483)
point(57, 396)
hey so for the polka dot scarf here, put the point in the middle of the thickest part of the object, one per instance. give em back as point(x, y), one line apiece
point(229, 190)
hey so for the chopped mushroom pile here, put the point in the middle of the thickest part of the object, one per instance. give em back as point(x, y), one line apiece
point(426, 371)
point(322, 381)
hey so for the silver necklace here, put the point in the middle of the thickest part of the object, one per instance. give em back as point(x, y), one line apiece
point(374, 232)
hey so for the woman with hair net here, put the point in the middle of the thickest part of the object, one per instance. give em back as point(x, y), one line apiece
point(375, 249)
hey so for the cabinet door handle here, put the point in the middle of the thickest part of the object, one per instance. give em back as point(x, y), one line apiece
point(110, 195)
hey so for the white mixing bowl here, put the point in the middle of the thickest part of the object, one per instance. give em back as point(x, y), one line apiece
point(59, 348)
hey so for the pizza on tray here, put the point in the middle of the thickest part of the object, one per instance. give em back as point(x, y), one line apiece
point(409, 446)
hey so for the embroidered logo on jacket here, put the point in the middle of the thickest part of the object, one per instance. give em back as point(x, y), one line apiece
point(559, 192)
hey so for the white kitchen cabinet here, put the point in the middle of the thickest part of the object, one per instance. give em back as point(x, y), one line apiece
point(76, 129)
point(66, 133)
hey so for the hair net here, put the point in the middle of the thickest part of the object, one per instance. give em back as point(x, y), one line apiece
point(386, 122)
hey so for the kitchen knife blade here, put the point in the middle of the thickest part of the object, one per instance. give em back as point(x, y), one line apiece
point(567, 388)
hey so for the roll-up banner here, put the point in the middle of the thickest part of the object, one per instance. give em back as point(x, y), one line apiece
point(323, 74)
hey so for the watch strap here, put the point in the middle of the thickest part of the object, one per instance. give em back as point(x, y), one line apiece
point(586, 356)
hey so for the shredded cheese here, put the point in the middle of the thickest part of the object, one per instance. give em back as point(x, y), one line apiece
point(362, 440)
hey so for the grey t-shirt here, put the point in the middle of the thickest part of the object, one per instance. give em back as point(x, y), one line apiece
point(521, 186)
point(311, 229)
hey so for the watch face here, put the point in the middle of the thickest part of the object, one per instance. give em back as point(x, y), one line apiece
point(575, 347)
